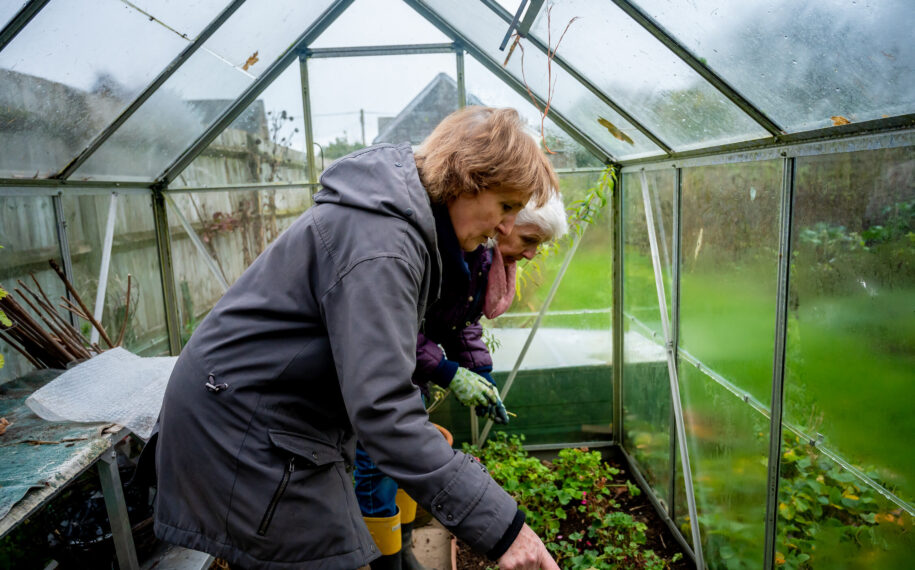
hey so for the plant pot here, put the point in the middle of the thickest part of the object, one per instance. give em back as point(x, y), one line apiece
point(448, 437)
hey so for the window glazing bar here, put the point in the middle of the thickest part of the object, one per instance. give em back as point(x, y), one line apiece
point(461, 81)
point(691, 60)
point(675, 332)
point(63, 242)
point(778, 363)
point(825, 139)
point(579, 137)
point(513, 23)
point(617, 294)
point(69, 186)
point(102, 288)
point(529, 17)
point(674, 377)
point(175, 64)
point(22, 190)
point(864, 142)
point(310, 160)
point(534, 328)
point(167, 274)
point(20, 20)
point(252, 92)
point(596, 91)
point(365, 51)
point(258, 187)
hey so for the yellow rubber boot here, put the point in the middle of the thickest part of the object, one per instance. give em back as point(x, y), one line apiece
point(407, 507)
point(385, 532)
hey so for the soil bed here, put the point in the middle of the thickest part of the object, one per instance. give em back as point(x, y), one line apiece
point(658, 537)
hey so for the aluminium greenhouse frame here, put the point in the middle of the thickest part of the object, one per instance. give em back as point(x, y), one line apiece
point(787, 153)
point(891, 132)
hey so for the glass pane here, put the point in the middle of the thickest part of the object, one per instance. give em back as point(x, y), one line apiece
point(187, 17)
point(134, 253)
point(354, 103)
point(643, 76)
point(234, 227)
point(563, 391)
point(728, 447)
point(585, 287)
point(484, 88)
point(729, 255)
point(851, 335)
point(832, 61)
point(486, 30)
point(829, 518)
point(358, 26)
point(639, 288)
point(28, 235)
point(264, 144)
point(646, 386)
point(205, 86)
point(57, 95)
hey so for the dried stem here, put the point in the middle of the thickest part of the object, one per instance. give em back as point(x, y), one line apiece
point(9, 340)
point(64, 331)
point(550, 82)
point(86, 311)
point(126, 313)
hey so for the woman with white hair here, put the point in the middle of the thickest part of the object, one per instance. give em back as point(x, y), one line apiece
point(533, 227)
point(451, 353)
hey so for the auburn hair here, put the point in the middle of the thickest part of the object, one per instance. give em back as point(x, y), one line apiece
point(482, 148)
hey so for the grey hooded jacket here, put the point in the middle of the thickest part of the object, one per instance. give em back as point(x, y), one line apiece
point(313, 346)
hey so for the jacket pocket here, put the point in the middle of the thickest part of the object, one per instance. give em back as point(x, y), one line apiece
point(303, 451)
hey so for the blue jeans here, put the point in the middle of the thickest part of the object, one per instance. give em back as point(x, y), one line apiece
point(375, 491)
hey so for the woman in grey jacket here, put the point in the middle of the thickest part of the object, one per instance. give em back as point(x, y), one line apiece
point(315, 345)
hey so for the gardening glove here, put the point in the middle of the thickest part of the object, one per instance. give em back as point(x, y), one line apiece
point(471, 389)
point(496, 412)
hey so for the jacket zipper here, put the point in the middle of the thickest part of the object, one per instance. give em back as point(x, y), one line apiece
point(277, 495)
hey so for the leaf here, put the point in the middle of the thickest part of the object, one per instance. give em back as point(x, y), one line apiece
point(614, 131)
point(250, 61)
point(838, 120)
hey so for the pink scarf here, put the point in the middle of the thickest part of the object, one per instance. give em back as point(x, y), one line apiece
point(500, 289)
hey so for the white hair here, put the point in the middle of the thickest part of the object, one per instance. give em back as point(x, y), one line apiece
point(549, 219)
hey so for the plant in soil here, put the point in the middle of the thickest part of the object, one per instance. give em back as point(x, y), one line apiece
point(580, 506)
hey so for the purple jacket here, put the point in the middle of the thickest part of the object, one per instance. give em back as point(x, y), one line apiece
point(453, 321)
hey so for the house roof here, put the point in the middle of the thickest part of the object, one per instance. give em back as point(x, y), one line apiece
point(424, 112)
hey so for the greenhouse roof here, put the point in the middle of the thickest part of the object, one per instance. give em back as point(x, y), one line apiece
point(630, 80)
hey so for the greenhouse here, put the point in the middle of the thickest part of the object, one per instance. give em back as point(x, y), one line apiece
point(729, 320)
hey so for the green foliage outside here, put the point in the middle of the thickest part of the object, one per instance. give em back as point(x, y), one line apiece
point(819, 499)
point(341, 146)
point(586, 284)
point(579, 485)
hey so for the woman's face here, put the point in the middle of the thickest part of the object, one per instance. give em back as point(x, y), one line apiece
point(486, 215)
point(522, 242)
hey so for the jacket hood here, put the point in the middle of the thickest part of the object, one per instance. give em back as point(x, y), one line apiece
point(383, 179)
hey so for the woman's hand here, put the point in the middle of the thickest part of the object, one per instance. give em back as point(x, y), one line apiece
point(527, 553)
point(472, 389)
